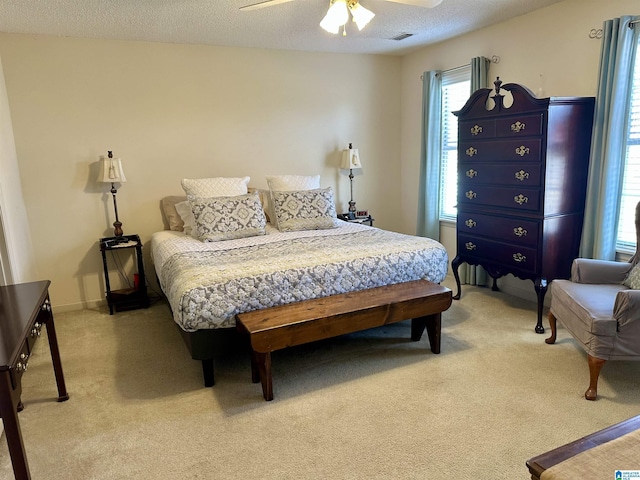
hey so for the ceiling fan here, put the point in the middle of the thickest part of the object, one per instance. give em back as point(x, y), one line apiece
point(338, 14)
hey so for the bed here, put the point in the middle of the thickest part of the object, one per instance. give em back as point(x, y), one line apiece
point(208, 283)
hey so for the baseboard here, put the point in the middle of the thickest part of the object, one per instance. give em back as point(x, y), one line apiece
point(73, 307)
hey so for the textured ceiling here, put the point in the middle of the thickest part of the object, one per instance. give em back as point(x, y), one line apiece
point(292, 25)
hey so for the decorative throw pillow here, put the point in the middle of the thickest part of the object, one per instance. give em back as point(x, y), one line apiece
point(288, 183)
point(633, 278)
point(305, 210)
point(215, 187)
point(226, 218)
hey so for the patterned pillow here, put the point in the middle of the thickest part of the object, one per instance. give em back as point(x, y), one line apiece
point(226, 218)
point(215, 187)
point(287, 183)
point(305, 210)
point(633, 279)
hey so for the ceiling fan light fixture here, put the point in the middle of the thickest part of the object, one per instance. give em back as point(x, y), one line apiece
point(336, 16)
point(361, 16)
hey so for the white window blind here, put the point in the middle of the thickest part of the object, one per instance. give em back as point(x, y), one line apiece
point(631, 183)
point(456, 87)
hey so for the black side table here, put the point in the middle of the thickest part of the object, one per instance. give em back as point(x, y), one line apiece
point(125, 298)
point(364, 220)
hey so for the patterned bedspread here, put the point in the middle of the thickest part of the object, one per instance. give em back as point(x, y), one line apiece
point(207, 284)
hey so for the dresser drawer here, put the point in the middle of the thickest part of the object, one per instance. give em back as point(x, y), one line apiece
point(525, 174)
point(501, 151)
point(518, 199)
point(477, 129)
point(513, 256)
point(524, 125)
point(506, 229)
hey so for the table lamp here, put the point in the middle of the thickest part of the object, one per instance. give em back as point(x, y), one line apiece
point(111, 172)
point(351, 162)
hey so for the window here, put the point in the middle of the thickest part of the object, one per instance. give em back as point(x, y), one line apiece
point(456, 86)
point(631, 184)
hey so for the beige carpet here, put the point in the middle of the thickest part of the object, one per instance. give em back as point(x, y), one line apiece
point(368, 406)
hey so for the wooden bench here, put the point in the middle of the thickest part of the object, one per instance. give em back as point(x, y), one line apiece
point(537, 465)
point(307, 321)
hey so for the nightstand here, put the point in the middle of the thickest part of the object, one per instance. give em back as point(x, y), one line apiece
point(363, 220)
point(125, 298)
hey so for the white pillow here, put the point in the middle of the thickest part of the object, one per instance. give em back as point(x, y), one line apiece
point(215, 187)
point(288, 183)
point(186, 214)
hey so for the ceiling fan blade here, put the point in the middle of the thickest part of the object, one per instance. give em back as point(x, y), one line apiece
point(263, 4)
point(419, 3)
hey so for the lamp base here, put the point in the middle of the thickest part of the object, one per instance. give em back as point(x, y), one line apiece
point(352, 209)
point(117, 231)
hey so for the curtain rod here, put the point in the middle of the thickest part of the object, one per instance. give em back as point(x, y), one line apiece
point(493, 59)
point(597, 32)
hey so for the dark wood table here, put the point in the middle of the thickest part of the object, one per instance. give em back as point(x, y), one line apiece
point(24, 309)
point(539, 464)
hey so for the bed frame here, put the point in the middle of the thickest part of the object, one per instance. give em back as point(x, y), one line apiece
point(430, 299)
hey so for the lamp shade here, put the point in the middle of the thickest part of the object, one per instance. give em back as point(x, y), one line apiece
point(361, 16)
point(350, 159)
point(111, 171)
point(336, 16)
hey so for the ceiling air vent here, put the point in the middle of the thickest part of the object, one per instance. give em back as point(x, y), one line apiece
point(402, 36)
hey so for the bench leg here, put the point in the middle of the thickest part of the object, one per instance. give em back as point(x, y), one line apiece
point(433, 324)
point(262, 363)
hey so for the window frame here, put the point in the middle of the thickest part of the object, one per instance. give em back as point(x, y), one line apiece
point(457, 78)
point(630, 191)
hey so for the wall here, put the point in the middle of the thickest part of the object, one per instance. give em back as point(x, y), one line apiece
point(173, 111)
point(548, 50)
point(17, 263)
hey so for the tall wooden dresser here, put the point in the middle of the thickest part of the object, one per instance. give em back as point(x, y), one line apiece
point(522, 176)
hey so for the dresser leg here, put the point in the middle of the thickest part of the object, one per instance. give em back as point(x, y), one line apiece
point(455, 263)
point(540, 285)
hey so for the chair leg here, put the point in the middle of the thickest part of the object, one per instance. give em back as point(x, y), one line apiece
point(595, 365)
point(552, 324)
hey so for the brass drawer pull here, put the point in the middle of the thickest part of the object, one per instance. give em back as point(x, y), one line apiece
point(521, 175)
point(470, 246)
point(520, 199)
point(470, 195)
point(35, 331)
point(476, 129)
point(520, 232)
point(46, 306)
point(472, 173)
point(470, 223)
point(522, 150)
point(20, 366)
point(518, 257)
point(517, 127)
point(471, 151)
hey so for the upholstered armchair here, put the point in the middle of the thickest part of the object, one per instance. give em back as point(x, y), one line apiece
point(600, 308)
